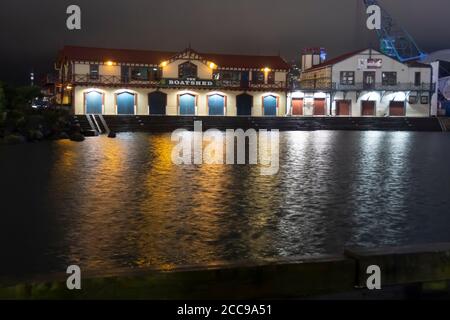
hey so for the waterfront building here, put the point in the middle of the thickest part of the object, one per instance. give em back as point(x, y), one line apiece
point(137, 82)
point(362, 83)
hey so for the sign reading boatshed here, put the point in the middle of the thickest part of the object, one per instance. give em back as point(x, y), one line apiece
point(192, 82)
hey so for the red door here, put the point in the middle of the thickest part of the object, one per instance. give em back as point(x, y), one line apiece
point(397, 108)
point(297, 107)
point(319, 107)
point(343, 107)
point(368, 108)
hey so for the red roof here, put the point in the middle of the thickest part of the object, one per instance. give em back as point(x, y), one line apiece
point(156, 57)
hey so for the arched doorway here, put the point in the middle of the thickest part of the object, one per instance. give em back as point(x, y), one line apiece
point(244, 103)
point(187, 104)
point(125, 103)
point(270, 105)
point(94, 102)
point(216, 105)
point(157, 102)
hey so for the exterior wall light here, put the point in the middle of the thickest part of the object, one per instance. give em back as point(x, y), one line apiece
point(109, 63)
point(164, 64)
point(212, 65)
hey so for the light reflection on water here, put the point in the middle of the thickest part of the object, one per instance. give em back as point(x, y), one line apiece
point(109, 203)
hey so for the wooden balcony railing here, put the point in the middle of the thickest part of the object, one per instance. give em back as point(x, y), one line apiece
point(316, 85)
point(102, 80)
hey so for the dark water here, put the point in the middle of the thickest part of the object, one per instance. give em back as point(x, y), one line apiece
point(117, 203)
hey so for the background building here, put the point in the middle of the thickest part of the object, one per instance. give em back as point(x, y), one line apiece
point(363, 83)
point(124, 82)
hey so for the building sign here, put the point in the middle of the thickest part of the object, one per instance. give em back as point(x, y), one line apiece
point(370, 63)
point(190, 82)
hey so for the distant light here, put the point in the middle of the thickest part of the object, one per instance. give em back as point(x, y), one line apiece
point(164, 64)
point(266, 70)
point(69, 87)
point(109, 63)
point(212, 65)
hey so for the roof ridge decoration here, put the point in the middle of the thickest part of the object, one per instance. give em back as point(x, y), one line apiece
point(190, 55)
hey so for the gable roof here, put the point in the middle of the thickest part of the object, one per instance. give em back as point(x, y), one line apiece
point(156, 57)
point(412, 64)
point(336, 60)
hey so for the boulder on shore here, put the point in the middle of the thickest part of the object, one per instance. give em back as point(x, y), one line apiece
point(78, 137)
point(14, 139)
point(112, 134)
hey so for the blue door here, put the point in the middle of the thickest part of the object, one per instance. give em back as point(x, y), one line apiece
point(244, 104)
point(157, 102)
point(187, 105)
point(94, 102)
point(270, 106)
point(216, 105)
point(125, 103)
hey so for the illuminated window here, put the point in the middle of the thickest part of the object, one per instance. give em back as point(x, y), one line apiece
point(389, 78)
point(347, 77)
point(187, 70)
point(155, 74)
point(139, 73)
point(258, 77)
point(227, 75)
point(93, 71)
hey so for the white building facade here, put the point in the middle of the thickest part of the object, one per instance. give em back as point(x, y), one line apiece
point(132, 82)
point(363, 83)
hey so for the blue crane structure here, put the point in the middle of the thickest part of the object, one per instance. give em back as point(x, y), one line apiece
point(394, 40)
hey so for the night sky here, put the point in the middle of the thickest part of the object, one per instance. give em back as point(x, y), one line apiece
point(32, 31)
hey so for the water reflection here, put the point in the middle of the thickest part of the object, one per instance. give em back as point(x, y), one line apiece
point(108, 203)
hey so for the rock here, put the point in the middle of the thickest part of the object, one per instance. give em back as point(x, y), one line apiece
point(78, 137)
point(63, 135)
point(14, 139)
point(112, 134)
point(90, 133)
point(35, 135)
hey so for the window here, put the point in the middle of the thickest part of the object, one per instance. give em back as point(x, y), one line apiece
point(389, 78)
point(258, 77)
point(155, 74)
point(413, 99)
point(271, 77)
point(348, 77)
point(93, 72)
point(187, 70)
point(227, 75)
point(125, 73)
point(139, 73)
point(417, 79)
point(424, 99)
